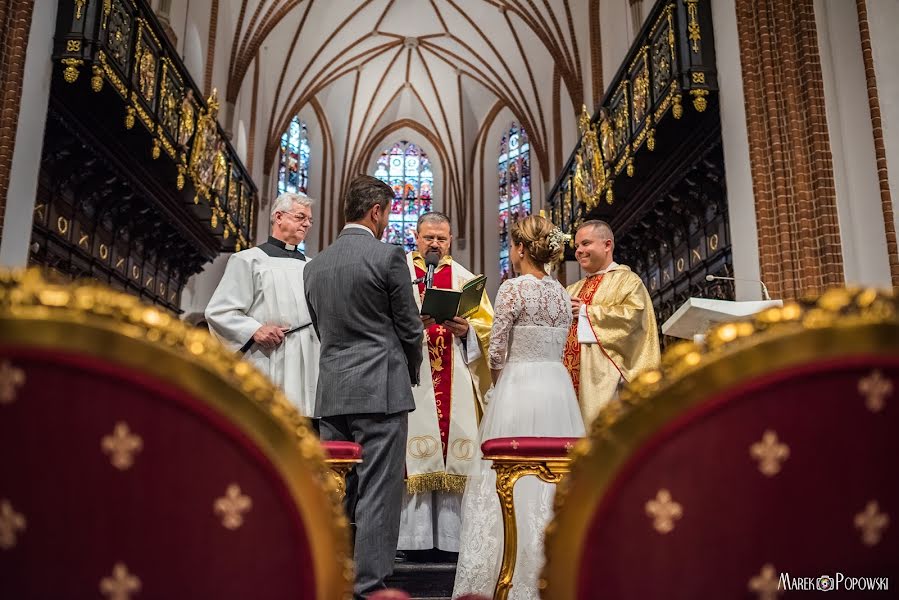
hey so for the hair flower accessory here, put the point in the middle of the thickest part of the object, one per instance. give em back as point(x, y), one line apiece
point(557, 239)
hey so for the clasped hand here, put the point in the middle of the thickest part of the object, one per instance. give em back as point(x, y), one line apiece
point(457, 326)
point(270, 336)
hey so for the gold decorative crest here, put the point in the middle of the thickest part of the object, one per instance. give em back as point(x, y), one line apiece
point(11, 524)
point(766, 585)
point(770, 453)
point(206, 147)
point(875, 388)
point(11, 379)
point(871, 522)
point(121, 445)
point(664, 511)
point(232, 506)
point(121, 585)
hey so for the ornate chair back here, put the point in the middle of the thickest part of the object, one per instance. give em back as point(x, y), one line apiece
point(760, 463)
point(139, 458)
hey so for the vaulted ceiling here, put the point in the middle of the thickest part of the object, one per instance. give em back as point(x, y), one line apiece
point(437, 66)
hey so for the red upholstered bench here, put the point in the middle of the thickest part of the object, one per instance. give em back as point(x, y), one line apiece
point(513, 458)
point(340, 458)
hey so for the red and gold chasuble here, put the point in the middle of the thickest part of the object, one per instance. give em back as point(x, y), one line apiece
point(440, 354)
point(572, 355)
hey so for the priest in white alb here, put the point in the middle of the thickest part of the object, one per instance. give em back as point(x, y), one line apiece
point(259, 307)
point(442, 443)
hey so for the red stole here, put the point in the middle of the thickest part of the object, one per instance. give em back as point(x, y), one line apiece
point(440, 353)
point(572, 355)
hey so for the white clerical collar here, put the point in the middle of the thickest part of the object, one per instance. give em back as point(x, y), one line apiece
point(611, 267)
point(358, 226)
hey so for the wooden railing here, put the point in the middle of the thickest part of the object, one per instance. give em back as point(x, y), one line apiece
point(121, 43)
point(671, 64)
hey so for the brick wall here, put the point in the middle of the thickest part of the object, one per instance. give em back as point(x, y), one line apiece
point(15, 23)
point(789, 145)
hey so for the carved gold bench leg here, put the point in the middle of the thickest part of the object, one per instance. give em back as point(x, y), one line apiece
point(508, 471)
point(339, 471)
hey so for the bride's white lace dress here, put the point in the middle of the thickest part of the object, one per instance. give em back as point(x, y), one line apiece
point(533, 397)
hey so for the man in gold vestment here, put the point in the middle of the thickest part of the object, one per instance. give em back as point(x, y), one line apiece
point(613, 337)
point(442, 443)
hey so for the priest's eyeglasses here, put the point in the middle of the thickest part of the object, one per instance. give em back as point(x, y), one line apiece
point(299, 218)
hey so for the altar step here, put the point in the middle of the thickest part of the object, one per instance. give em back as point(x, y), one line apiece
point(425, 574)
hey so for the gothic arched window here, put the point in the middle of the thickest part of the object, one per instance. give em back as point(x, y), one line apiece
point(406, 168)
point(514, 168)
point(293, 173)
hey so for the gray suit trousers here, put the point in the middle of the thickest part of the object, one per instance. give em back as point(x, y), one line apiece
point(374, 490)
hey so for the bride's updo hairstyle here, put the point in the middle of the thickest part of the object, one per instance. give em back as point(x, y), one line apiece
point(544, 242)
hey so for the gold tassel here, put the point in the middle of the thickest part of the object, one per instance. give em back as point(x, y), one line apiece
point(436, 482)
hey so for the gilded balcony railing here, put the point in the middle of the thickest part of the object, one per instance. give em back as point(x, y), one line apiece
point(671, 64)
point(121, 43)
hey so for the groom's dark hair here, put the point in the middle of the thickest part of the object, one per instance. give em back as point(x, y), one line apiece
point(365, 191)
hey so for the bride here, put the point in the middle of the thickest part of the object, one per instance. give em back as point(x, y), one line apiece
point(532, 396)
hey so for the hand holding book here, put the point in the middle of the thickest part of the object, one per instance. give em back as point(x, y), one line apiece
point(442, 305)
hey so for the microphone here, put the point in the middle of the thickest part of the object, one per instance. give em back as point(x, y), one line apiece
point(432, 259)
point(759, 281)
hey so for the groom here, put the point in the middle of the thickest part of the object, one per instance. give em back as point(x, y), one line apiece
point(364, 312)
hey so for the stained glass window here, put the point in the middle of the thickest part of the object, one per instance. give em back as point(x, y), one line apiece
point(407, 169)
point(514, 165)
point(293, 174)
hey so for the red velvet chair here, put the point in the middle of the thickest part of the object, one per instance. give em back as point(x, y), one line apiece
point(513, 458)
point(139, 458)
point(767, 456)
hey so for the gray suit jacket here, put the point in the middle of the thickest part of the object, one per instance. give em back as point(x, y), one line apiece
point(364, 313)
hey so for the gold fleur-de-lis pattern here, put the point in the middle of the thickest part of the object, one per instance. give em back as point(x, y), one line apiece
point(664, 511)
point(11, 524)
point(875, 388)
point(11, 379)
point(766, 585)
point(121, 445)
point(121, 585)
point(770, 453)
point(871, 522)
point(232, 506)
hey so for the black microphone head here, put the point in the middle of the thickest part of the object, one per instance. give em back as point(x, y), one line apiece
point(432, 258)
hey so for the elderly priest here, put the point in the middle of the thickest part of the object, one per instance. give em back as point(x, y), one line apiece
point(259, 306)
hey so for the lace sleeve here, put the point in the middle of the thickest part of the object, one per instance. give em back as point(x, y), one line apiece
point(506, 307)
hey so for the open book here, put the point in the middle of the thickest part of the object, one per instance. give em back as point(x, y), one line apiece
point(443, 304)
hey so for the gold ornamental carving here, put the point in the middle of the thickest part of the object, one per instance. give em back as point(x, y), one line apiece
point(664, 511)
point(70, 73)
point(766, 585)
point(693, 26)
point(770, 453)
point(147, 73)
point(11, 524)
point(871, 522)
point(121, 585)
point(206, 147)
point(232, 506)
point(122, 445)
point(875, 388)
point(79, 8)
point(11, 379)
point(186, 124)
point(699, 101)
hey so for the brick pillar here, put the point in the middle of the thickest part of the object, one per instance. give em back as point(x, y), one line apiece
point(879, 149)
point(789, 147)
point(15, 24)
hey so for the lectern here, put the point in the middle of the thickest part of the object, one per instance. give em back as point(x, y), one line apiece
point(696, 315)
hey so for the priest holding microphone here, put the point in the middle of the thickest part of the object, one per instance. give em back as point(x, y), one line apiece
point(443, 430)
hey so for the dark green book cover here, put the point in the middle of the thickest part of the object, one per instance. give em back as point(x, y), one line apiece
point(443, 304)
